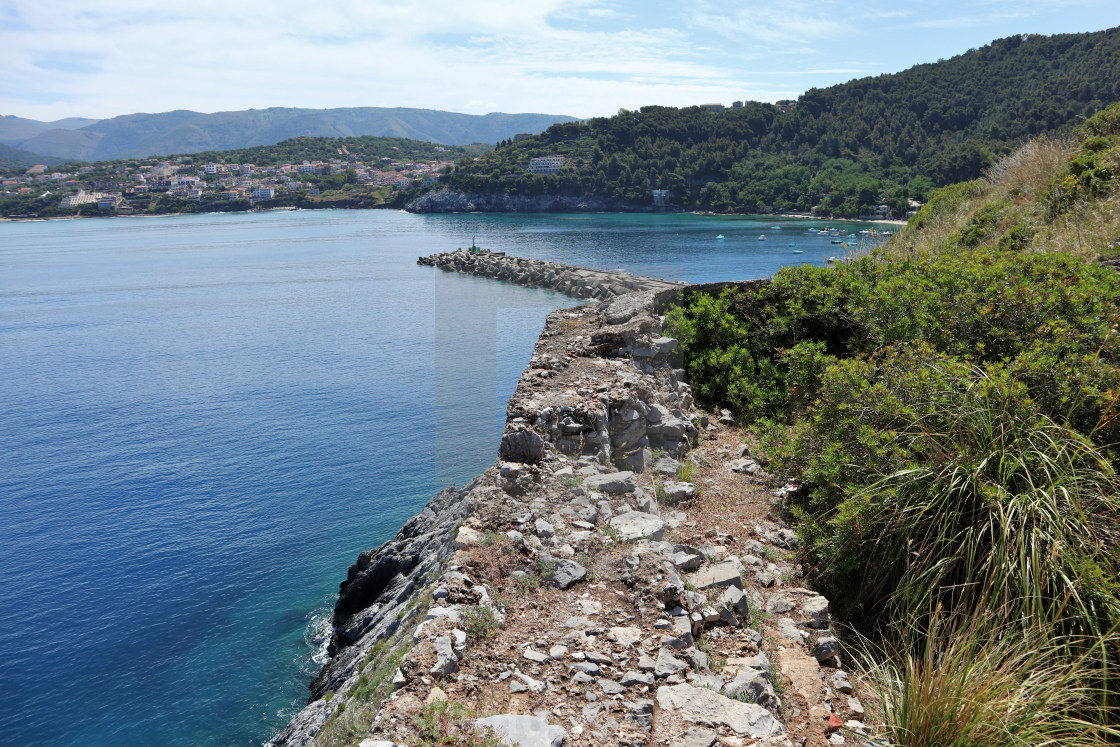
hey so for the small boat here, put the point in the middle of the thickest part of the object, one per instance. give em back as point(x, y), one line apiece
point(838, 241)
point(719, 237)
point(775, 228)
point(762, 237)
point(887, 233)
point(798, 251)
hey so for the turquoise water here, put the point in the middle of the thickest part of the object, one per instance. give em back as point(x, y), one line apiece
point(203, 419)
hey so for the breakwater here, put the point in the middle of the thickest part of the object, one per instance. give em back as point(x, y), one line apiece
point(579, 282)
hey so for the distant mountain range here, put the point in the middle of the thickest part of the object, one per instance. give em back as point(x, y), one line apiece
point(140, 135)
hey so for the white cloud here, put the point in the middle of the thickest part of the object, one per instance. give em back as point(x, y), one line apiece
point(580, 57)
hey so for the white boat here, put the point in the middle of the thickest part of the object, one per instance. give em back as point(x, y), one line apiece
point(762, 237)
point(719, 237)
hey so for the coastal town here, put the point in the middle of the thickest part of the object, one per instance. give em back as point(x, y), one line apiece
point(134, 187)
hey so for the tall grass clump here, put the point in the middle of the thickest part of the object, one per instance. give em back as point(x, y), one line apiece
point(939, 483)
point(968, 682)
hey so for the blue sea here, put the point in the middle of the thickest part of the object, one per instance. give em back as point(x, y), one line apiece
point(204, 419)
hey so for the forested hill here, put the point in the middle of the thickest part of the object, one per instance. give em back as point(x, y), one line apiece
point(881, 139)
point(367, 148)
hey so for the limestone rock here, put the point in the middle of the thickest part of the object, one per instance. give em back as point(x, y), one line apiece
point(522, 446)
point(718, 575)
point(565, 573)
point(666, 466)
point(524, 731)
point(624, 636)
point(705, 707)
point(636, 525)
point(826, 648)
point(446, 661)
point(612, 483)
point(676, 492)
point(668, 664)
point(466, 537)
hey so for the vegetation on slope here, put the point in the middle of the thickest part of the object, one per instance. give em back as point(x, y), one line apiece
point(950, 405)
point(15, 159)
point(845, 148)
point(367, 148)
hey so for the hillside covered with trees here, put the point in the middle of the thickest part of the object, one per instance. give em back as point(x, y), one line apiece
point(888, 138)
point(366, 148)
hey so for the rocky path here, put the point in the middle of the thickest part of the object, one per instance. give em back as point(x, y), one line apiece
point(620, 577)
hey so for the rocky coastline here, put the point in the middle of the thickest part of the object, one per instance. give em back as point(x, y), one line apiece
point(620, 576)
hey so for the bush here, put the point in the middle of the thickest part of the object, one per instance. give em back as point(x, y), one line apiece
point(481, 623)
point(935, 481)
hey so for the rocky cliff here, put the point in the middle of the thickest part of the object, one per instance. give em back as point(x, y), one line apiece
point(619, 577)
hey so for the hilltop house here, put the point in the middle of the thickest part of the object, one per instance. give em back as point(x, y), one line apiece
point(546, 164)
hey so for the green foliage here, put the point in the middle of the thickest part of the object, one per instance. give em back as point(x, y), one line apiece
point(950, 406)
point(937, 483)
point(686, 470)
point(367, 148)
point(944, 202)
point(480, 622)
point(843, 148)
point(982, 225)
point(449, 724)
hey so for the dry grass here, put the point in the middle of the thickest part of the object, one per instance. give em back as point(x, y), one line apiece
point(1024, 181)
point(1029, 170)
point(1090, 230)
point(975, 684)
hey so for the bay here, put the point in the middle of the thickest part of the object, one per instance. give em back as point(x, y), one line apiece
point(203, 419)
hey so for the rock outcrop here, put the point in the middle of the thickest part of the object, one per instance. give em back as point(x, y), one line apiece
point(579, 282)
point(611, 580)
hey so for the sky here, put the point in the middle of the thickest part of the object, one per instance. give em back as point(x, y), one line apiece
point(64, 58)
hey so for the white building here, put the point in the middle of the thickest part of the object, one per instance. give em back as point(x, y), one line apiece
point(546, 164)
point(82, 198)
point(264, 193)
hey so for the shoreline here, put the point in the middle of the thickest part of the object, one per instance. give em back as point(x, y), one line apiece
point(4, 219)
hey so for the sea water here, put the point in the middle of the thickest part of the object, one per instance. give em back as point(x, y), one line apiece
point(204, 419)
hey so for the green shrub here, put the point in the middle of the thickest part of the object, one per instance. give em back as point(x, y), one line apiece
point(945, 201)
point(982, 225)
point(937, 481)
point(449, 724)
point(480, 622)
